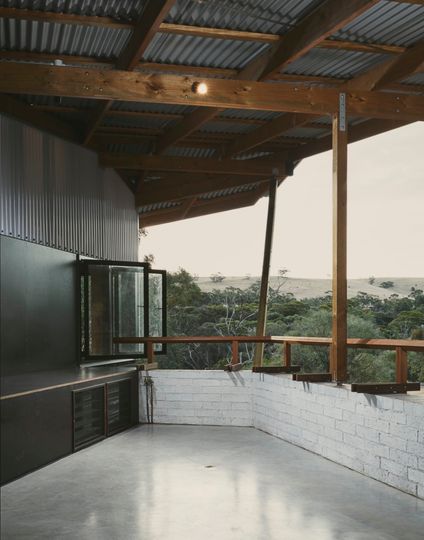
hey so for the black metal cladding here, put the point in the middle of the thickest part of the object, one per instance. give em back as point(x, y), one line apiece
point(53, 193)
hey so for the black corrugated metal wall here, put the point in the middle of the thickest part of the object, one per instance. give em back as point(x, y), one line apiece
point(53, 193)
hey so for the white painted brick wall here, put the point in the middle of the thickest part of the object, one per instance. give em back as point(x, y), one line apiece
point(380, 436)
point(211, 397)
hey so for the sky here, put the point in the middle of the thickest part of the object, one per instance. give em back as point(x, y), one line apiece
point(385, 219)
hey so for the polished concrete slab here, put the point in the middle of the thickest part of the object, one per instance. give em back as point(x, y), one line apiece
point(214, 483)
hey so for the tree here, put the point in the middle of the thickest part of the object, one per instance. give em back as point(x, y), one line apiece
point(386, 284)
point(217, 278)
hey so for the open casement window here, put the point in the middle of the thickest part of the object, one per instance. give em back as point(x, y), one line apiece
point(120, 299)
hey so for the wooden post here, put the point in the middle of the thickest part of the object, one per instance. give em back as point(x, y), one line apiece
point(235, 352)
point(150, 352)
point(401, 365)
point(263, 297)
point(287, 354)
point(338, 357)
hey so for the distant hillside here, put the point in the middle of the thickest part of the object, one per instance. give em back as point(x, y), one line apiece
point(311, 288)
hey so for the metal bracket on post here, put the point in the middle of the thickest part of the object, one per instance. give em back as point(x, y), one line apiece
point(342, 111)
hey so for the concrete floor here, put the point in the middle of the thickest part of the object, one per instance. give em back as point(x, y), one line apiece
point(195, 483)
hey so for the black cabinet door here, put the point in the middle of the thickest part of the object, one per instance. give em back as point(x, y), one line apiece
point(89, 416)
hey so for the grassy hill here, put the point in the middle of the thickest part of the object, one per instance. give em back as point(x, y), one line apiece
point(311, 288)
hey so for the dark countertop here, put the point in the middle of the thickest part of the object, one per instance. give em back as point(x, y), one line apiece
point(14, 385)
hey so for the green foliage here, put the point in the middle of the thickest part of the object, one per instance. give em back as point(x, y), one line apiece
point(233, 311)
point(387, 284)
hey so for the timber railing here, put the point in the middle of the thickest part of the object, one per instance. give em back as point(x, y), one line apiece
point(400, 346)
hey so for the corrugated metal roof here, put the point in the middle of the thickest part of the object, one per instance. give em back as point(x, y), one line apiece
point(157, 206)
point(143, 122)
point(180, 151)
point(52, 101)
point(271, 16)
point(227, 127)
point(118, 9)
point(229, 191)
point(391, 23)
point(152, 107)
point(199, 51)
point(250, 114)
point(141, 148)
point(417, 78)
point(36, 36)
point(334, 63)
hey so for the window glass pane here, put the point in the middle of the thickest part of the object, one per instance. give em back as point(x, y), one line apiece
point(156, 308)
point(115, 308)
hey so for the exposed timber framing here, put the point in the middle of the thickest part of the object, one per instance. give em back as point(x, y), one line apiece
point(179, 186)
point(377, 77)
point(172, 89)
point(143, 32)
point(338, 356)
point(246, 168)
point(263, 295)
point(326, 19)
point(201, 207)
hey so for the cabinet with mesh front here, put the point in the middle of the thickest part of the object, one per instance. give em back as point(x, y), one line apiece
point(119, 406)
point(89, 416)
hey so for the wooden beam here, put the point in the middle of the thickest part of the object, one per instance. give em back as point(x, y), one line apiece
point(181, 186)
point(312, 377)
point(338, 356)
point(402, 66)
point(147, 26)
point(131, 86)
point(265, 133)
point(143, 32)
point(266, 263)
point(40, 120)
point(376, 77)
point(326, 19)
point(385, 388)
point(273, 370)
point(246, 168)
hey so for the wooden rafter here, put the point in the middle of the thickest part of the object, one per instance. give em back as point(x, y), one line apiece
point(245, 168)
point(329, 17)
point(180, 186)
point(201, 207)
point(326, 19)
point(143, 32)
point(375, 78)
point(131, 86)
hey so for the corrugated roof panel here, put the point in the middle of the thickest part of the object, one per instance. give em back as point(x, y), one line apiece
point(227, 127)
point(250, 114)
point(142, 122)
point(392, 23)
point(36, 36)
point(306, 132)
point(271, 16)
point(141, 148)
point(229, 191)
point(152, 107)
point(180, 151)
point(119, 9)
point(206, 52)
point(334, 63)
point(157, 206)
point(416, 78)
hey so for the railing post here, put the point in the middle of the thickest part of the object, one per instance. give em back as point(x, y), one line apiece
point(287, 354)
point(401, 365)
point(150, 352)
point(235, 352)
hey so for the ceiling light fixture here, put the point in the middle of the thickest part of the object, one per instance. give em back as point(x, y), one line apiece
point(200, 88)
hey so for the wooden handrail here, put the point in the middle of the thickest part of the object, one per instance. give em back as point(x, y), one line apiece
point(401, 346)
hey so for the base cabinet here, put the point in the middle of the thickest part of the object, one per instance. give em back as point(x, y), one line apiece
point(43, 426)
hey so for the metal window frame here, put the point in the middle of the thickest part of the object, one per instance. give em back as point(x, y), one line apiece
point(87, 359)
